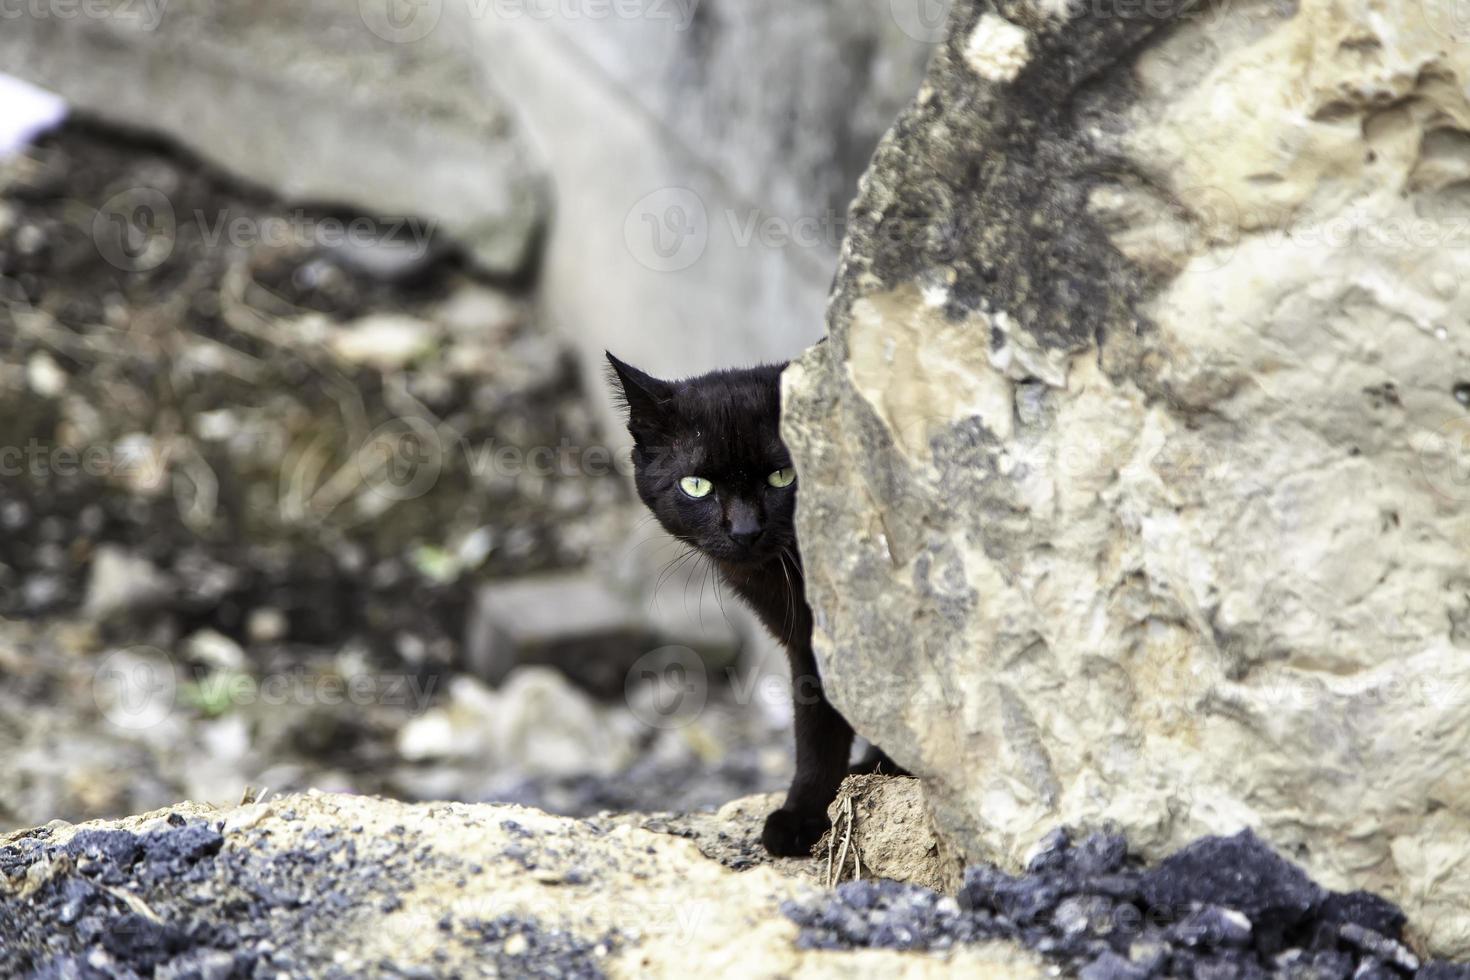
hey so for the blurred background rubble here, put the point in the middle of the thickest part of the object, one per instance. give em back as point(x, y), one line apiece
point(307, 477)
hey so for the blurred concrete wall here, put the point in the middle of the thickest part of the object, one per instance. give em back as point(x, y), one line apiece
point(702, 156)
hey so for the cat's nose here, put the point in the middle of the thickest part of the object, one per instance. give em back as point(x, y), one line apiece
point(745, 536)
point(742, 522)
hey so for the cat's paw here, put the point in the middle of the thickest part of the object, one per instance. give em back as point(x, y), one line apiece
point(792, 833)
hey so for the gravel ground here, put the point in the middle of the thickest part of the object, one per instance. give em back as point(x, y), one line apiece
point(1223, 908)
point(293, 886)
point(323, 885)
point(240, 913)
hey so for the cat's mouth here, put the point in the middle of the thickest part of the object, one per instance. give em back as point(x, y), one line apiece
point(746, 555)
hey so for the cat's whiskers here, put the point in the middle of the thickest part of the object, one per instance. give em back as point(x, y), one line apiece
point(719, 596)
point(790, 603)
point(658, 535)
point(699, 599)
point(669, 570)
point(687, 579)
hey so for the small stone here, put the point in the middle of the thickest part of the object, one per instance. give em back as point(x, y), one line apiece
point(45, 376)
point(30, 239)
point(119, 847)
point(182, 846)
point(1239, 872)
point(1376, 971)
point(476, 311)
point(1149, 955)
point(1099, 854)
point(215, 650)
point(14, 515)
point(216, 426)
point(385, 341)
point(428, 736)
point(1212, 926)
point(1050, 853)
point(1080, 914)
point(997, 49)
point(121, 582)
point(41, 592)
point(1380, 947)
point(266, 625)
point(1111, 966)
point(1365, 909)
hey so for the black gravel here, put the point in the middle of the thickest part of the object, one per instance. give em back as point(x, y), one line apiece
point(1220, 909)
point(195, 910)
point(523, 947)
point(176, 903)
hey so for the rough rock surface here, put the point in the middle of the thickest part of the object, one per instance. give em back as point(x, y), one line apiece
point(324, 885)
point(1132, 470)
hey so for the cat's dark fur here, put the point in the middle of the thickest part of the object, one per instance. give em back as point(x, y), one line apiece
point(725, 427)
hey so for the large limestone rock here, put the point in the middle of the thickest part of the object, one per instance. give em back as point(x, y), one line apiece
point(1133, 469)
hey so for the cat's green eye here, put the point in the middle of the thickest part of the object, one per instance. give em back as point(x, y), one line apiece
point(782, 478)
point(696, 486)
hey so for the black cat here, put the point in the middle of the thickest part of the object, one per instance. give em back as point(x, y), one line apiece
point(709, 462)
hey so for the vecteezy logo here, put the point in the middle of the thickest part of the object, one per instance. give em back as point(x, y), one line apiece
point(135, 688)
point(1444, 456)
point(922, 20)
point(400, 21)
point(667, 687)
point(401, 459)
point(667, 230)
point(136, 229)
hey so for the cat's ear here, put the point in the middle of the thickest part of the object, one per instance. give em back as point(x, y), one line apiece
point(645, 396)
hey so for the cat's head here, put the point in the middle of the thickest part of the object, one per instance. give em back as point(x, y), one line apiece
point(709, 462)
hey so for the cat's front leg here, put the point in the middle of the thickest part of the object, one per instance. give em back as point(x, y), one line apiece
point(823, 743)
